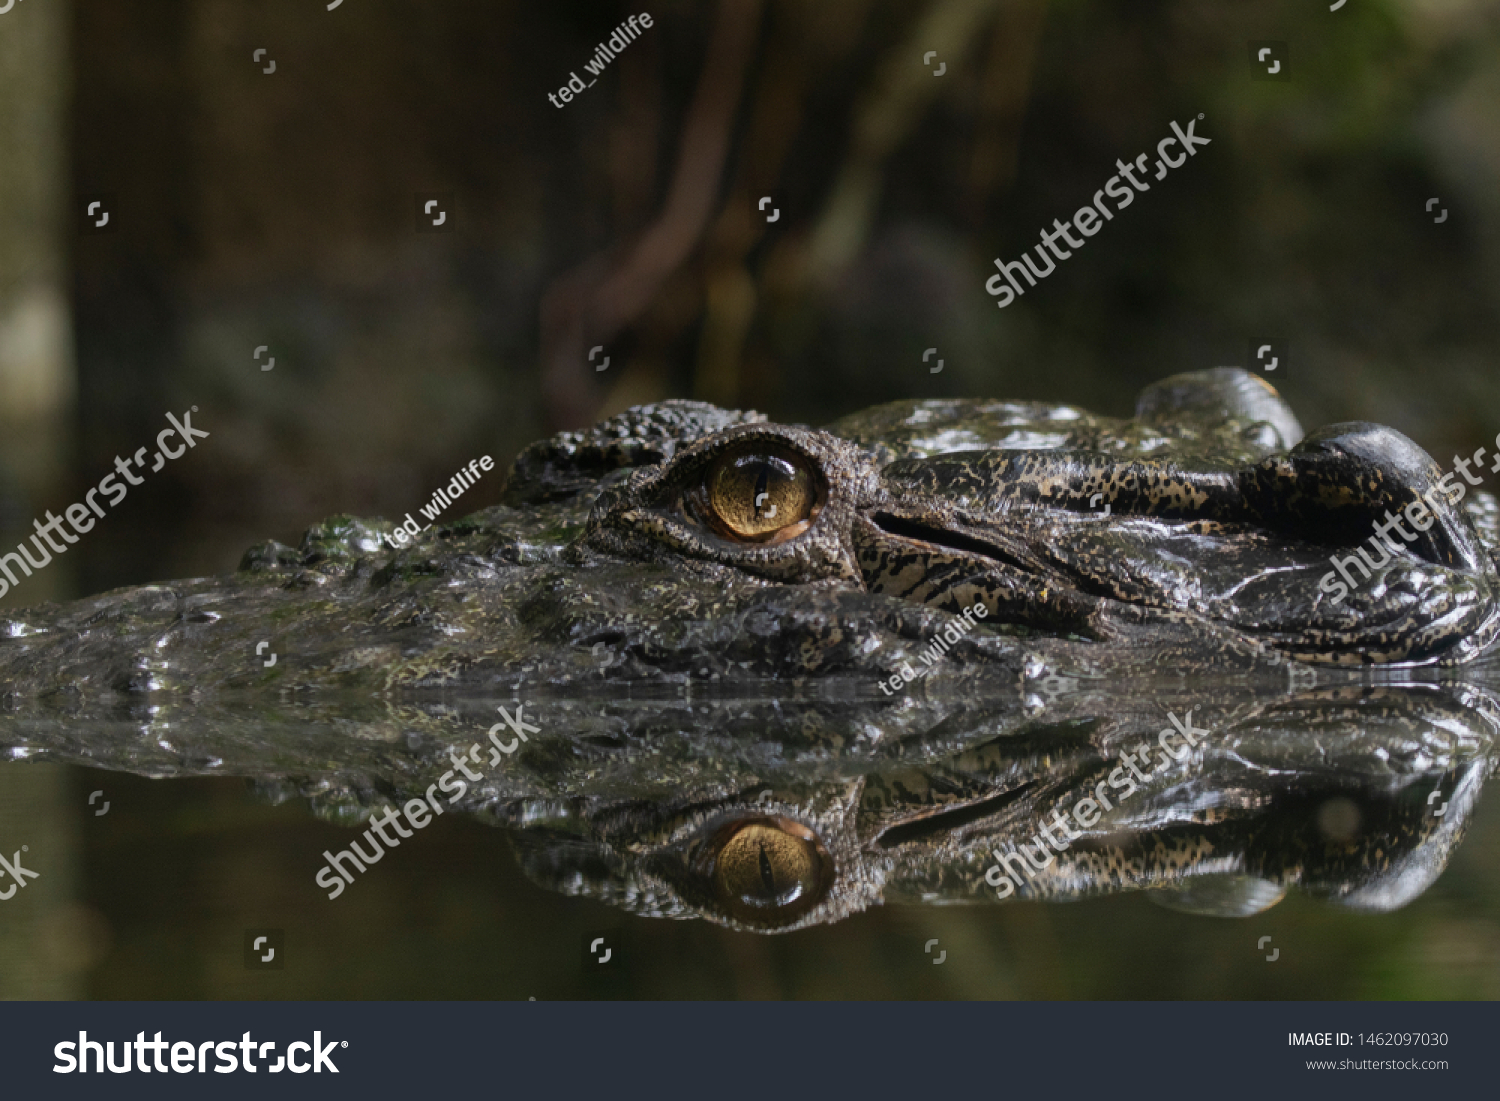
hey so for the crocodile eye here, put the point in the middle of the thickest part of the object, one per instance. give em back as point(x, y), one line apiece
point(762, 494)
point(770, 870)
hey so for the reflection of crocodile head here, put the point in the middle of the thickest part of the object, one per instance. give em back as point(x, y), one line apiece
point(681, 542)
point(769, 815)
point(1331, 793)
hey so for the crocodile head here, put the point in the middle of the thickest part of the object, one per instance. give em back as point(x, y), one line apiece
point(686, 544)
point(1208, 519)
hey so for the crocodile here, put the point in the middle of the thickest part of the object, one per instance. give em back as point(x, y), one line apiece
point(680, 545)
point(703, 611)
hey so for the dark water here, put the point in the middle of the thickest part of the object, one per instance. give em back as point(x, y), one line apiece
point(1350, 826)
point(152, 900)
point(277, 211)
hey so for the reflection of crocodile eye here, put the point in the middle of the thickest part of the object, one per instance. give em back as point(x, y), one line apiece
point(770, 870)
point(761, 494)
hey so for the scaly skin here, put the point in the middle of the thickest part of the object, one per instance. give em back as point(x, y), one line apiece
point(607, 576)
point(1359, 796)
point(591, 575)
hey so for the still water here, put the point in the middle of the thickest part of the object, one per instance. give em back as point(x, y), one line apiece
point(1299, 841)
point(1350, 828)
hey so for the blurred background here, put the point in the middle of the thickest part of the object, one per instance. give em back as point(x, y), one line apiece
point(271, 200)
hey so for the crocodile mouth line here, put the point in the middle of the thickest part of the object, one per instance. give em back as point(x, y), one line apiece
point(945, 539)
point(922, 826)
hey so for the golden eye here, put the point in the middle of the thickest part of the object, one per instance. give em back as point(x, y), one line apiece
point(770, 870)
point(762, 495)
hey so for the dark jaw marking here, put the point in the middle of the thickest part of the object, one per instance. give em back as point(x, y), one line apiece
point(954, 581)
point(989, 554)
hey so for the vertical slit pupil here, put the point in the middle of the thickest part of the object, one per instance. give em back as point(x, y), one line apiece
point(767, 876)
